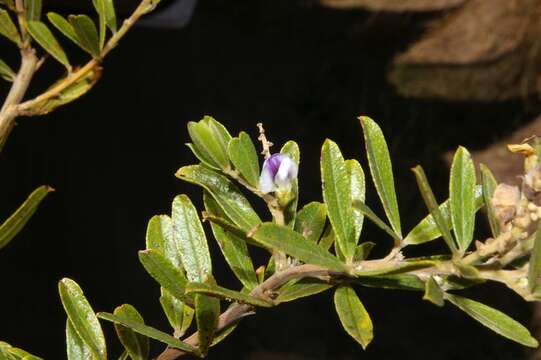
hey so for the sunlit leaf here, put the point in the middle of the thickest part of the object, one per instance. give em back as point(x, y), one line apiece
point(211, 140)
point(353, 315)
point(8, 28)
point(462, 197)
point(75, 347)
point(357, 188)
point(82, 317)
point(160, 237)
point(311, 221)
point(495, 320)
point(64, 26)
point(381, 169)
point(45, 38)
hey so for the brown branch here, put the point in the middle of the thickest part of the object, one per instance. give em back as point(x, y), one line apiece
point(238, 311)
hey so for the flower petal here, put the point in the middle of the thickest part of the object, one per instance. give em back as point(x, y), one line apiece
point(286, 173)
point(266, 181)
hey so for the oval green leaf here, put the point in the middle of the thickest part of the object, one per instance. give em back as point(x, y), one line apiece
point(243, 155)
point(310, 221)
point(149, 332)
point(211, 139)
point(381, 169)
point(494, 320)
point(160, 237)
point(178, 314)
point(15, 223)
point(135, 344)
point(353, 315)
point(87, 34)
point(45, 38)
point(462, 197)
point(337, 197)
point(63, 25)
point(75, 347)
point(82, 317)
point(226, 194)
point(357, 187)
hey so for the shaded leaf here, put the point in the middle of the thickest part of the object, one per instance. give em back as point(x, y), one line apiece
point(310, 221)
point(135, 344)
point(6, 72)
point(191, 239)
point(45, 38)
point(223, 293)
point(178, 314)
point(223, 333)
point(226, 194)
point(64, 26)
point(363, 250)
point(8, 28)
point(106, 10)
point(243, 155)
point(82, 317)
point(489, 186)
point(16, 222)
point(164, 273)
point(353, 315)
point(399, 282)
point(406, 266)
point(32, 9)
point(358, 189)
point(87, 34)
point(207, 311)
point(433, 292)
point(462, 197)
point(149, 332)
point(363, 208)
point(381, 169)
point(432, 205)
point(495, 320)
point(337, 197)
point(291, 148)
point(211, 140)
point(534, 266)
point(233, 247)
point(427, 229)
point(281, 238)
point(327, 239)
point(302, 288)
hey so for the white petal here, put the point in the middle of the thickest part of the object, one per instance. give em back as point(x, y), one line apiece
point(283, 177)
point(266, 182)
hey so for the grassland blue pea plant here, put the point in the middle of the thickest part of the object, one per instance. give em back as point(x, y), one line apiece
point(312, 248)
point(317, 247)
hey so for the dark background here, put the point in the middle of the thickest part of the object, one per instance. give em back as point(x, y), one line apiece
point(307, 73)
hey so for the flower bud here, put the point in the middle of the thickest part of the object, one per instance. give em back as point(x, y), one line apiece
point(277, 174)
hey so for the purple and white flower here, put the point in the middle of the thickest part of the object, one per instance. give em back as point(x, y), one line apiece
point(278, 173)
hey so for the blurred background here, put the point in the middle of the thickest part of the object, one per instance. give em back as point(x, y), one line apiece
point(435, 74)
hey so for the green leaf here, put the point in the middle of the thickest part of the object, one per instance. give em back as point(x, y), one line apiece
point(87, 34)
point(207, 311)
point(223, 293)
point(135, 344)
point(6, 72)
point(8, 28)
point(353, 315)
point(82, 317)
point(226, 194)
point(160, 237)
point(16, 222)
point(161, 270)
point(191, 239)
point(300, 289)
point(43, 36)
point(337, 197)
point(381, 169)
point(433, 292)
point(203, 157)
point(75, 347)
point(72, 92)
point(8, 352)
point(311, 221)
point(358, 189)
point(291, 149)
point(99, 5)
point(489, 186)
point(363, 208)
point(432, 205)
point(178, 314)
point(462, 197)
point(218, 337)
point(363, 250)
point(63, 25)
point(149, 332)
point(243, 155)
point(233, 247)
point(327, 239)
point(211, 139)
point(106, 11)
point(32, 9)
point(495, 320)
point(427, 229)
point(282, 238)
point(534, 266)
point(399, 282)
point(406, 266)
